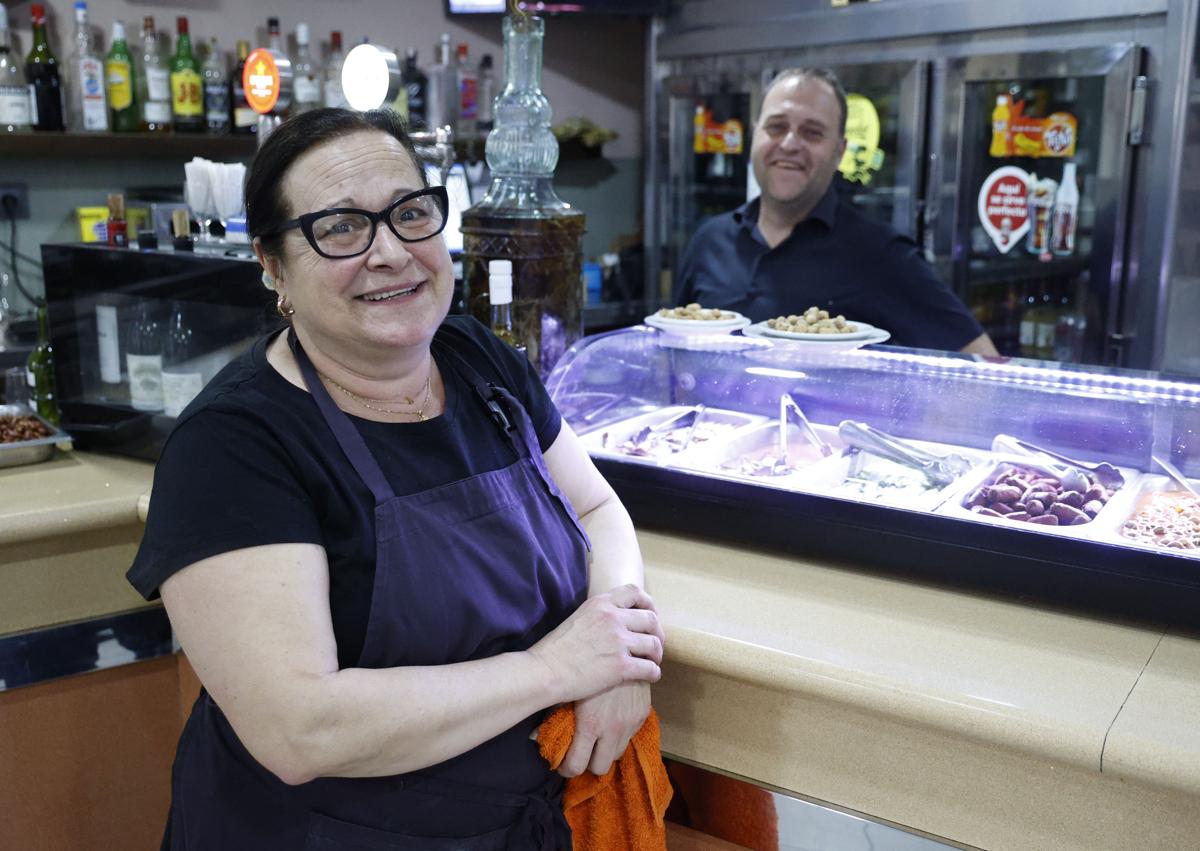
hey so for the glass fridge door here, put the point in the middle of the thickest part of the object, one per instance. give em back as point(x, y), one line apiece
point(712, 103)
point(1029, 218)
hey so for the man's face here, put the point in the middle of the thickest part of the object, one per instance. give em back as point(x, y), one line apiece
point(797, 146)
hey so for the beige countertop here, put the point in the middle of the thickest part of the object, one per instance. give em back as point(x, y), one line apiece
point(72, 492)
point(990, 722)
point(1095, 724)
point(69, 529)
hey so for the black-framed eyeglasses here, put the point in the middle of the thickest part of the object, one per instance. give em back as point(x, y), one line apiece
point(342, 232)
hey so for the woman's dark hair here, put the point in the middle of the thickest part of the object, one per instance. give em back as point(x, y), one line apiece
point(266, 206)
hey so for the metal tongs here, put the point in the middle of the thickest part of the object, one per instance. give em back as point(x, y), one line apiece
point(939, 470)
point(1174, 473)
point(684, 419)
point(787, 403)
point(1105, 473)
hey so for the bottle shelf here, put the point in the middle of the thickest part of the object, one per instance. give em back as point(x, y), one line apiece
point(127, 145)
point(1020, 268)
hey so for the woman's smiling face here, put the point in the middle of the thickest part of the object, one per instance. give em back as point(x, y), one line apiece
point(395, 294)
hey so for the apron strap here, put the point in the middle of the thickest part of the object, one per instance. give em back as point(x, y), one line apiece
point(348, 438)
point(511, 417)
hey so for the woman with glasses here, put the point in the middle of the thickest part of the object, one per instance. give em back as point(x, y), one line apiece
point(381, 548)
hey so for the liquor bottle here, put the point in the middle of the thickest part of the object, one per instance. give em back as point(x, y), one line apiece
point(116, 226)
point(87, 107)
point(441, 103)
point(468, 92)
point(500, 297)
point(1045, 319)
point(41, 69)
point(245, 119)
point(187, 84)
point(39, 370)
point(416, 85)
point(155, 93)
point(275, 38)
point(1027, 334)
point(216, 91)
point(119, 83)
point(332, 77)
point(522, 218)
point(306, 87)
point(143, 360)
point(14, 91)
point(1066, 213)
point(487, 95)
point(108, 338)
point(181, 378)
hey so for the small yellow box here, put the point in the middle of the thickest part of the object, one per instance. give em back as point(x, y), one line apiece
point(92, 222)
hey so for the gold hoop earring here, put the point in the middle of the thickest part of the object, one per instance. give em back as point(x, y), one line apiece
point(283, 308)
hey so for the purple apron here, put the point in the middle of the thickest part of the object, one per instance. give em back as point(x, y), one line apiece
point(467, 570)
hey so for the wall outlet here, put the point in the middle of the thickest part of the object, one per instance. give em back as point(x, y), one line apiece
point(18, 191)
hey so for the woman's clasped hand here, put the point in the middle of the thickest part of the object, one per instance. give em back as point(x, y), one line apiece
point(611, 639)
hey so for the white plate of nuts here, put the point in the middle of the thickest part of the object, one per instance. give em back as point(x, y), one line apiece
point(869, 336)
point(694, 319)
point(815, 324)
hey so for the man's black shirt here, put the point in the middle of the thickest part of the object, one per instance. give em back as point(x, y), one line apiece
point(836, 259)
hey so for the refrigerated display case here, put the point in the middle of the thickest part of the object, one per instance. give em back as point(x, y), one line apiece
point(932, 464)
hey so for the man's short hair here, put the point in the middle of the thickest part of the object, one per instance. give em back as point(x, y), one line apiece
point(806, 74)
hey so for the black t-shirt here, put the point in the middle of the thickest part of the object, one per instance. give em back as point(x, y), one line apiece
point(837, 259)
point(251, 462)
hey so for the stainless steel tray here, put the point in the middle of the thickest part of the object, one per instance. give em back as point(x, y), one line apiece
point(715, 424)
point(1149, 487)
point(29, 451)
point(865, 477)
point(1103, 526)
point(748, 455)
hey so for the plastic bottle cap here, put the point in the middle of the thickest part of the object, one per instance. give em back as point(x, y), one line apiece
point(301, 33)
point(500, 281)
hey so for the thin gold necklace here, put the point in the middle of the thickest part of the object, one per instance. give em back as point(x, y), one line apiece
point(419, 413)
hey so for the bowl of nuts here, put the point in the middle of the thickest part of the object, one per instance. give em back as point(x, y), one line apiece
point(694, 319)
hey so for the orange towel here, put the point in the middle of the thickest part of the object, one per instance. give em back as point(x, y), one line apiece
point(624, 808)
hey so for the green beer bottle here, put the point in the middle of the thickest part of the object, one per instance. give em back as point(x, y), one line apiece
point(39, 370)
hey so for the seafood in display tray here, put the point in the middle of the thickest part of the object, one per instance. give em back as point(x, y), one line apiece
point(772, 462)
point(876, 479)
point(1069, 497)
point(685, 428)
point(1166, 519)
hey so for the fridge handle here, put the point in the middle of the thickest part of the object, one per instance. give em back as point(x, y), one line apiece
point(1137, 109)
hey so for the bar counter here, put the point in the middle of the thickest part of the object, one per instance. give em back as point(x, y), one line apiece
point(978, 720)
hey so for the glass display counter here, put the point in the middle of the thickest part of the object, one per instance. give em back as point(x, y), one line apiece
point(940, 465)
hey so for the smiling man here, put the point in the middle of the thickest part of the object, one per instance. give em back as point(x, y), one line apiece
point(798, 244)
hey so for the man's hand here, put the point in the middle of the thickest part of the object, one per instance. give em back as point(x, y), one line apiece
point(604, 724)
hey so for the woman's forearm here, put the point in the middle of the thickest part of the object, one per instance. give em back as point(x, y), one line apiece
point(616, 557)
point(374, 722)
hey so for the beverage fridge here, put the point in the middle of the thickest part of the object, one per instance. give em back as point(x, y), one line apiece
point(1029, 202)
point(1034, 151)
